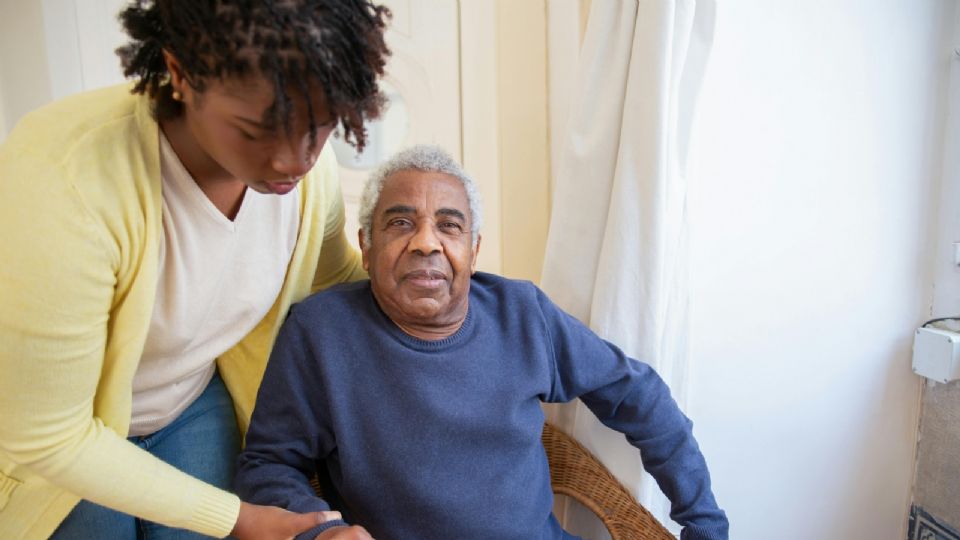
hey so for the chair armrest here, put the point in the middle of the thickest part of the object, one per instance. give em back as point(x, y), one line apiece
point(575, 472)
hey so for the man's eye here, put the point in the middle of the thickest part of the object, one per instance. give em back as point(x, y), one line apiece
point(451, 227)
point(247, 136)
point(399, 222)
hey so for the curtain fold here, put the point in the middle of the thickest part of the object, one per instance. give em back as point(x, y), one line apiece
point(617, 248)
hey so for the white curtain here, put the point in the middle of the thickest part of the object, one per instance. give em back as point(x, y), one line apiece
point(617, 250)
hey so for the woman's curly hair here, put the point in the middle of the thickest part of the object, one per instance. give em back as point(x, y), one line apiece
point(295, 44)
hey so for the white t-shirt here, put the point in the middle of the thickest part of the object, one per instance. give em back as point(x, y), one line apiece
point(218, 278)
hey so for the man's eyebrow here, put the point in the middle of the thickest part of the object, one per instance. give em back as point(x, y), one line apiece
point(452, 212)
point(400, 209)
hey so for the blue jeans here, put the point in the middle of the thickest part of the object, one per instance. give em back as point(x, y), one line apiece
point(203, 441)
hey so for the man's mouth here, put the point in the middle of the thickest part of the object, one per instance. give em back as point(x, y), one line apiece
point(427, 279)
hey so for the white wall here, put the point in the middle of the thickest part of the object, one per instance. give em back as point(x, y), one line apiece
point(24, 81)
point(53, 48)
point(81, 37)
point(946, 300)
point(816, 163)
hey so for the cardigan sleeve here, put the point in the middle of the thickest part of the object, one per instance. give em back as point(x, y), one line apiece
point(59, 293)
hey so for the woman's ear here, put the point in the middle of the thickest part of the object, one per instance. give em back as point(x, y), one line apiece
point(178, 80)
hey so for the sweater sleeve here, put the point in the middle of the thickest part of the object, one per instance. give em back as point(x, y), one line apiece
point(339, 261)
point(628, 396)
point(288, 431)
point(58, 295)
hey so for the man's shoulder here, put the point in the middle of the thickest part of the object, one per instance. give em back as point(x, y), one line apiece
point(514, 299)
point(484, 283)
point(486, 280)
point(513, 296)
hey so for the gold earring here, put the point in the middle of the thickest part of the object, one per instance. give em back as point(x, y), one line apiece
point(177, 96)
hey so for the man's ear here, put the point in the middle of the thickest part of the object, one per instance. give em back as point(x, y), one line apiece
point(476, 251)
point(364, 248)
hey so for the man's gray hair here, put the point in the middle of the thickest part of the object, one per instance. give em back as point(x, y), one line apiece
point(422, 158)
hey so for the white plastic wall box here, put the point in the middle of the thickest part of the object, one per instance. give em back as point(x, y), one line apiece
point(936, 354)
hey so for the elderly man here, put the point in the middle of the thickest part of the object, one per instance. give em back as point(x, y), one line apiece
point(416, 394)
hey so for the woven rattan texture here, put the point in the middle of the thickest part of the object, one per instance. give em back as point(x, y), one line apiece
point(574, 472)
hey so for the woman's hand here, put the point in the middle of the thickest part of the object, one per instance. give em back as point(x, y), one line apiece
point(355, 532)
point(271, 523)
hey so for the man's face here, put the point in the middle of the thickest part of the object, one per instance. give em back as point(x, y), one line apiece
point(421, 256)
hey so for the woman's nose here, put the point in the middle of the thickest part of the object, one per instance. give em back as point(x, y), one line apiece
point(295, 158)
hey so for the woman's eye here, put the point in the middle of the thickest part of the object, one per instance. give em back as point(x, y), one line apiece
point(258, 135)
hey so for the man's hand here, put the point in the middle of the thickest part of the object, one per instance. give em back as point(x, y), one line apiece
point(271, 523)
point(355, 532)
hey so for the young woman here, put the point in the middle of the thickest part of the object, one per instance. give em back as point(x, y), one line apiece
point(153, 242)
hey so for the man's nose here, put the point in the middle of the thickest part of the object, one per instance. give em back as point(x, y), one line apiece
point(295, 157)
point(425, 240)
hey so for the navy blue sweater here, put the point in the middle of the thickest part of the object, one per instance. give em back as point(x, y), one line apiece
point(441, 439)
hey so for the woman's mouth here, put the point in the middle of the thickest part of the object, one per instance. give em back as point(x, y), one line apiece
point(284, 187)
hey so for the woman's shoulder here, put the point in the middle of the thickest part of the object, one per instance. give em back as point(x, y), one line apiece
point(98, 135)
point(94, 156)
point(79, 119)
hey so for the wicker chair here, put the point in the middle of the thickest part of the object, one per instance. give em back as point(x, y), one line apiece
point(576, 473)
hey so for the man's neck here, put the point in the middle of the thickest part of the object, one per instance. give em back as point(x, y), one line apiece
point(430, 333)
point(428, 327)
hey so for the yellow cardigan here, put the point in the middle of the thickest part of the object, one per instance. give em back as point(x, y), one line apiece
point(80, 207)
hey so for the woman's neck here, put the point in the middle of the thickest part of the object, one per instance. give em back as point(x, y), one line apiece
point(221, 188)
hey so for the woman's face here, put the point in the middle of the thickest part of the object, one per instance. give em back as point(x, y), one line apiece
point(226, 123)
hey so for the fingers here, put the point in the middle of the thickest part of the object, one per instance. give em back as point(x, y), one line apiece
point(257, 522)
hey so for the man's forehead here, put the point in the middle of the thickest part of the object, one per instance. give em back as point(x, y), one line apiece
point(409, 187)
